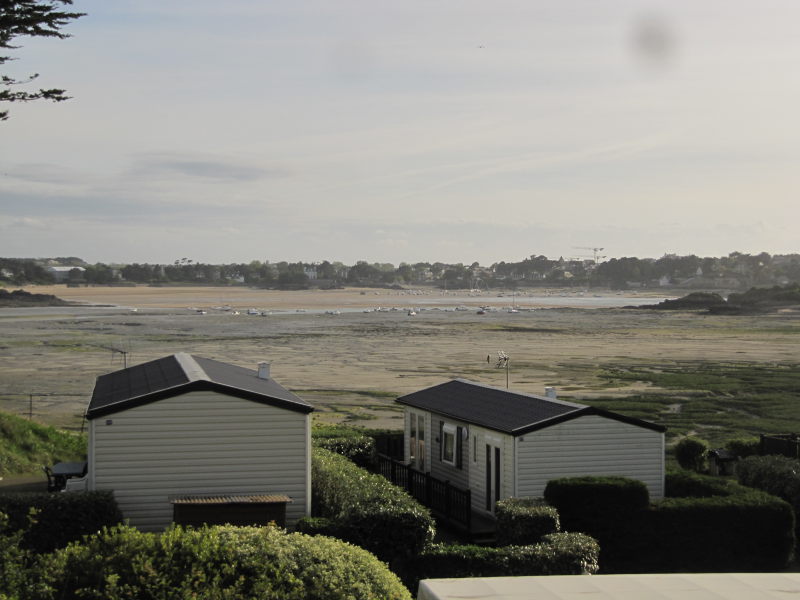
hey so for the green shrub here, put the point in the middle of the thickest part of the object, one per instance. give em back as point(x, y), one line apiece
point(776, 475)
point(557, 554)
point(358, 448)
point(579, 498)
point(746, 531)
point(744, 447)
point(316, 526)
point(214, 563)
point(522, 521)
point(61, 518)
point(15, 560)
point(366, 509)
point(679, 484)
point(691, 453)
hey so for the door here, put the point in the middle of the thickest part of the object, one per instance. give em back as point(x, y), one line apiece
point(494, 473)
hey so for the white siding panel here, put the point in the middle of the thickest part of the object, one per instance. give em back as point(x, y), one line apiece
point(199, 443)
point(590, 445)
point(440, 469)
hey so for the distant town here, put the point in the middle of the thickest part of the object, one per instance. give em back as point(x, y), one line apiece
point(737, 271)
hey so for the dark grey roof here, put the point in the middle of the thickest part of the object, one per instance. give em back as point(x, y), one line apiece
point(181, 373)
point(502, 410)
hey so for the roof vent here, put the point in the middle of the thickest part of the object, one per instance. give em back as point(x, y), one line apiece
point(263, 370)
point(550, 392)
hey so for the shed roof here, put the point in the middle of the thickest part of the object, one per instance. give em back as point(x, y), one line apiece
point(514, 413)
point(180, 373)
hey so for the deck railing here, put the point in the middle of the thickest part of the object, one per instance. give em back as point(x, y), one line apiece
point(449, 501)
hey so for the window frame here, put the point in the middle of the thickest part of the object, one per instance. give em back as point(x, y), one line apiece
point(449, 430)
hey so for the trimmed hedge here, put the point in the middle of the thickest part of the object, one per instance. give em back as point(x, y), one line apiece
point(746, 531)
point(716, 526)
point(213, 563)
point(557, 554)
point(581, 501)
point(776, 475)
point(60, 518)
point(679, 484)
point(522, 521)
point(744, 447)
point(358, 448)
point(366, 509)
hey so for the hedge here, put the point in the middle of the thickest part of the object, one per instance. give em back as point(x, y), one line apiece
point(692, 454)
point(522, 521)
point(60, 518)
point(557, 554)
point(584, 500)
point(358, 448)
point(776, 475)
point(741, 532)
point(679, 484)
point(213, 563)
point(366, 509)
point(716, 526)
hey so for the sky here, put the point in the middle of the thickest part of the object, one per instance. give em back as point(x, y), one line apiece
point(388, 131)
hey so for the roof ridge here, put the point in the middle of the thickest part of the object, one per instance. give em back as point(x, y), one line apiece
point(524, 394)
point(190, 367)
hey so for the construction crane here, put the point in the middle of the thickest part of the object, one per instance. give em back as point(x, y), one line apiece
point(595, 251)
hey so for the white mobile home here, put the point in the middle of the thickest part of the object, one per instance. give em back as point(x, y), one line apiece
point(499, 443)
point(186, 429)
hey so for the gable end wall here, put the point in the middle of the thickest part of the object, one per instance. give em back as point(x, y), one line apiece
point(199, 443)
point(590, 445)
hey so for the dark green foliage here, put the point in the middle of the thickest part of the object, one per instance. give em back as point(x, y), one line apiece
point(30, 18)
point(27, 446)
point(360, 449)
point(578, 498)
point(15, 560)
point(692, 453)
point(214, 563)
point(776, 475)
point(748, 531)
point(685, 484)
point(743, 447)
point(366, 509)
point(61, 518)
point(557, 554)
point(316, 526)
point(717, 526)
point(522, 521)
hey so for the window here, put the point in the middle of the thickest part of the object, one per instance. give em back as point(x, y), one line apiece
point(449, 444)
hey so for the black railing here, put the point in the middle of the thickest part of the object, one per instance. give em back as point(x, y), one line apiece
point(450, 502)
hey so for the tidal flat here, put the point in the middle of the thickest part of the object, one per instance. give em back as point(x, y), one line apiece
point(351, 365)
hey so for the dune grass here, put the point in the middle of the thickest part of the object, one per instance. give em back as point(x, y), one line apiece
point(26, 446)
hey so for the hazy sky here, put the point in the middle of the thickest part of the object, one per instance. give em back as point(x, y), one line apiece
point(390, 131)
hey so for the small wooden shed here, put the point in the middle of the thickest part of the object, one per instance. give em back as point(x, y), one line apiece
point(500, 443)
point(184, 426)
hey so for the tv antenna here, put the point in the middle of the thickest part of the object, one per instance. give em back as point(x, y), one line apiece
point(503, 361)
point(124, 353)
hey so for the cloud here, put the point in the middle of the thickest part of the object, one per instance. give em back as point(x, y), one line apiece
point(165, 165)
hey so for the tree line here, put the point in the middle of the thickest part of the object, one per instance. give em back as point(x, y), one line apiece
point(732, 271)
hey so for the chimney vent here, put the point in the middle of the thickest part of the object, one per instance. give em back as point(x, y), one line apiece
point(550, 392)
point(263, 370)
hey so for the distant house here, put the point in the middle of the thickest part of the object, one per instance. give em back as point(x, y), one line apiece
point(499, 443)
point(185, 429)
point(61, 274)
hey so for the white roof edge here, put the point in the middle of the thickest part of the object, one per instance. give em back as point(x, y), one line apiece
point(193, 371)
